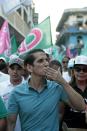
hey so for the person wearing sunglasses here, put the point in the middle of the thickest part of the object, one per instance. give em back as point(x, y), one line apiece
point(65, 61)
point(65, 72)
point(74, 118)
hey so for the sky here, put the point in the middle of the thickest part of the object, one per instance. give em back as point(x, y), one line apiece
point(54, 9)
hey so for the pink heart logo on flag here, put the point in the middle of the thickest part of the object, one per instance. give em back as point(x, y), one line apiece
point(31, 41)
point(37, 33)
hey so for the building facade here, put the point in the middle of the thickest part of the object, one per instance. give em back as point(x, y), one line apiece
point(72, 30)
point(20, 20)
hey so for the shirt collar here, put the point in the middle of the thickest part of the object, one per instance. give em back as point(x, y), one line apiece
point(44, 85)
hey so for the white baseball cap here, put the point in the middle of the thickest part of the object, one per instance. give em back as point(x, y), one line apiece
point(71, 63)
point(17, 61)
point(2, 58)
point(81, 60)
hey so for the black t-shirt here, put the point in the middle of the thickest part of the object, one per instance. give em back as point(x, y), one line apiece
point(73, 118)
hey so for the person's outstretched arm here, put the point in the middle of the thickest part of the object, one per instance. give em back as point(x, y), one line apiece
point(75, 99)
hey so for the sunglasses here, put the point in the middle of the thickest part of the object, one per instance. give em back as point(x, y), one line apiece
point(78, 69)
point(64, 62)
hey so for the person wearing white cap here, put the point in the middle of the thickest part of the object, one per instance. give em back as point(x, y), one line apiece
point(74, 118)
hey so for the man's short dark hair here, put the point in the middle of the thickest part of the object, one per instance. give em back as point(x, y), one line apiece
point(29, 59)
point(2, 64)
point(57, 63)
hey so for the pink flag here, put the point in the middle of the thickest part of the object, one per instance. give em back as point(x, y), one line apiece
point(68, 53)
point(4, 38)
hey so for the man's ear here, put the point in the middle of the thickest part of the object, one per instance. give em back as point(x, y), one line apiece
point(29, 68)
